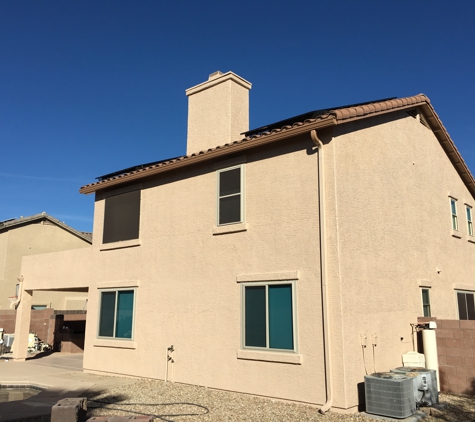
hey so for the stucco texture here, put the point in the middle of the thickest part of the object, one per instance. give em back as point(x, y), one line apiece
point(389, 233)
point(30, 239)
point(387, 185)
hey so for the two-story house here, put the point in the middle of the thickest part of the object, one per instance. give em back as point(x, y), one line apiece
point(260, 259)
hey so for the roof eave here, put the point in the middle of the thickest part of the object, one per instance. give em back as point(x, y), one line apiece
point(203, 156)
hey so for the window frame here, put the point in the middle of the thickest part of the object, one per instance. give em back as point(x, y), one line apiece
point(267, 348)
point(454, 214)
point(465, 292)
point(468, 210)
point(425, 306)
point(241, 167)
point(110, 212)
point(114, 337)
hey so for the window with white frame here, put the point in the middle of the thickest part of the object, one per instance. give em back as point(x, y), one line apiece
point(469, 220)
point(425, 302)
point(230, 195)
point(268, 316)
point(116, 313)
point(453, 210)
point(466, 305)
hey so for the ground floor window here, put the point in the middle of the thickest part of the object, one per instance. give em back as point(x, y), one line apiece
point(466, 305)
point(425, 302)
point(116, 313)
point(268, 316)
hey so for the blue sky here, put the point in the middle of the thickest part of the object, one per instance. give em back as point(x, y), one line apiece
point(91, 87)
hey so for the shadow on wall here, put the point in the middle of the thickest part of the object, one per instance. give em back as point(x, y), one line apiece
point(361, 397)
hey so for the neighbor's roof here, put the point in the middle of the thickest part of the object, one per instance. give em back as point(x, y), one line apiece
point(15, 222)
point(294, 126)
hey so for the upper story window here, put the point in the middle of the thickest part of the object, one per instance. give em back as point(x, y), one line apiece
point(231, 195)
point(469, 220)
point(121, 217)
point(453, 210)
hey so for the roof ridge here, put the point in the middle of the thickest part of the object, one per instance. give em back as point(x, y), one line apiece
point(312, 120)
point(23, 220)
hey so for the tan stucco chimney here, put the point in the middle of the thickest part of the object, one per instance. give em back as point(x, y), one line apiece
point(218, 111)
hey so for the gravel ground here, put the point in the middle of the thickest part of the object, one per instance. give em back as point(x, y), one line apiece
point(179, 402)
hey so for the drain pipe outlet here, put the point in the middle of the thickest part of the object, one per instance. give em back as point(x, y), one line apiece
point(20, 289)
point(323, 254)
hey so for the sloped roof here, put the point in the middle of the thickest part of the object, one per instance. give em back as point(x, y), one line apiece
point(15, 222)
point(294, 126)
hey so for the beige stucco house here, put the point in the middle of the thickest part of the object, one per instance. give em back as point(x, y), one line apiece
point(36, 234)
point(262, 260)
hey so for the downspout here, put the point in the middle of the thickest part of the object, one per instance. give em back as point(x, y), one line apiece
point(323, 259)
point(20, 289)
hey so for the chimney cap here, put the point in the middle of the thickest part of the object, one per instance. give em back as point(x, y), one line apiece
point(217, 78)
point(215, 75)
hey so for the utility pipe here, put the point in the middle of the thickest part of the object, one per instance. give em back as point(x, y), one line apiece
point(323, 270)
point(20, 289)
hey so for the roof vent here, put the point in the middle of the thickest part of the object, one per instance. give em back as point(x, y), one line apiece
point(413, 112)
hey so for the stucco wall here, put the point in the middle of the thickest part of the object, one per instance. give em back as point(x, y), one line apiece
point(188, 295)
point(30, 239)
point(387, 183)
point(390, 230)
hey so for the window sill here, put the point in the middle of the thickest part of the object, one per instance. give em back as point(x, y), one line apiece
point(268, 356)
point(120, 245)
point(115, 343)
point(231, 228)
point(456, 234)
point(471, 239)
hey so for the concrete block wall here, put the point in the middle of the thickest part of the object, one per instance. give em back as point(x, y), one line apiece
point(7, 320)
point(48, 325)
point(43, 323)
point(456, 354)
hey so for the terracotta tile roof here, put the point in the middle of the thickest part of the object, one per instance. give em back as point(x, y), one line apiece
point(15, 222)
point(295, 126)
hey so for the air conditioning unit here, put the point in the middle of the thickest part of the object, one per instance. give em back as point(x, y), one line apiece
point(425, 384)
point(390, 394)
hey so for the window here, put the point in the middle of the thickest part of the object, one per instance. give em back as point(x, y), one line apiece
point(469, 220)
point(268, 316)
point(122, 217)
point(453, 209)
point(425, 302)
point(466, 305)
point(116, 313)
point(38, 307)
point(230, 195)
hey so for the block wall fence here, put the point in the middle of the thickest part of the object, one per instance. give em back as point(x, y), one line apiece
point(456, 354)
point(48, 325)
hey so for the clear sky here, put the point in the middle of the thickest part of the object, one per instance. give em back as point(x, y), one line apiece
point(91, 87)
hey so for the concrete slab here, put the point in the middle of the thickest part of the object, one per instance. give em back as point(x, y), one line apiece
point(60, 374)
point(418, 416)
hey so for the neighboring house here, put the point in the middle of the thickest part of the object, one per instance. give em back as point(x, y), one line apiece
point(37, 234)
point(266, 264)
